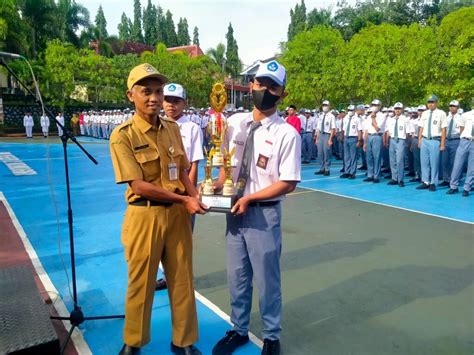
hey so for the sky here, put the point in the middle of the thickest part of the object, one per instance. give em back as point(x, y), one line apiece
point(259, 25)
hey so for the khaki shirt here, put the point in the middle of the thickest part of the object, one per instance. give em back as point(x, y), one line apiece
point(141, 151)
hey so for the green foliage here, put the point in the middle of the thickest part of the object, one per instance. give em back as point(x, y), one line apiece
point(196, 36)
point(149, 25)
point(217, 55)
point(124, 28)
point(233, 65)
point(170, 31)
point(101, 23)
point(136, 34)
point(297, 20)
point(183, 32)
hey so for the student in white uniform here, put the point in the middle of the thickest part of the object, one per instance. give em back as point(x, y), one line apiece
point(325, 131)
point(174, 104)
point(373, 136)
point(453, 133)
point(352, 132)
point(60, 119)
point(28, 123)
point(268, 166)
point(44, 121)
point(431, 141)
point(397, 131)
point(465, 152)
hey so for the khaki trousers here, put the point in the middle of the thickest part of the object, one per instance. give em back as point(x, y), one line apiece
point(151, 234)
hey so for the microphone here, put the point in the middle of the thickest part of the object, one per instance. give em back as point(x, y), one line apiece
point(10, 55)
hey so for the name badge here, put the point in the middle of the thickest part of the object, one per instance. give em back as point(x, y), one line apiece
point(173, 171)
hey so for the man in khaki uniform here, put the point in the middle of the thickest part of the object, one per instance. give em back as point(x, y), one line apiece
point(148, 154)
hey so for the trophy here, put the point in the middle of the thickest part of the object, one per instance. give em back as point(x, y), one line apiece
point(221, 201)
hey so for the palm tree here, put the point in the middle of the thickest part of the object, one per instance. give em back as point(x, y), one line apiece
point(71, 17)
point(217, 55)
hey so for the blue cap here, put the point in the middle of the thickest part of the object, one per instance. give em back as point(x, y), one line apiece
point(360, 107)
point(432, 98)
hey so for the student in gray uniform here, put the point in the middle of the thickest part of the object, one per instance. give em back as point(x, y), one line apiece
point(352, 133)
point(268, 160)
point(452, 142)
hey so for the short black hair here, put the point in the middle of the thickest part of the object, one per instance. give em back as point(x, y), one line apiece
point(292, 106)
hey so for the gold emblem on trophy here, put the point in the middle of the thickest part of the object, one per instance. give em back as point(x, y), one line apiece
point(217, 127)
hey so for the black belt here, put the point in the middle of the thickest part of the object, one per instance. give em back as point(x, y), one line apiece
point(264, 203)
point(435, 138)
point(144, 202)
point(468, 139)
point(375, 134)
point(453, 139)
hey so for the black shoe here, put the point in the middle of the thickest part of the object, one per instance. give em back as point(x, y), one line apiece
point(368, 179)
point(452, 191)
point(231, 341)
point(411, 174)
point(305, 162)
point(187, 350)
point(129, 350)
point(423, 186)
point(351, 177)
point(465, 193)
point(393, 182)
point(271, 347)
point(432, 187)
point(327, 173)
point(386, 170)
point(415, 180)
point(401, 184)
point(376, 181)
point(320, 172)
point(344, 176)
point(161, 285)
point(362, 168)
point(387, 177)
point(342, 170)
point(444, 183)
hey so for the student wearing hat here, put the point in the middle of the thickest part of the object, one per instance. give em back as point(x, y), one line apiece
point(148, 155)
point(431, 141)
point(464, 153)
point(268, 166)
point(307, 129)
point(453, 133)
point(173, 105)
point(352, 133)
point(373, 141)
point(397, 130)
point(325, 131)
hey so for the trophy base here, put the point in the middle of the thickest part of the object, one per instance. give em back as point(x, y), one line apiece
point(219, 203)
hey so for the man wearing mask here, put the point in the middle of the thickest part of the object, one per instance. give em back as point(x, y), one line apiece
point(452, 142)
point(431, 141)
point(268, 160)
point(325, 131)
point(375, 128)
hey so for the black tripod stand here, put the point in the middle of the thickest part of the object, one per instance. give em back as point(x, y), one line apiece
point(76, 317)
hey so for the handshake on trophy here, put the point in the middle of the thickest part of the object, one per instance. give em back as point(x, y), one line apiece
point(221, 201)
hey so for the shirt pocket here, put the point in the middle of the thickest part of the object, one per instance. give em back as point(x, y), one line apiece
point(149, 162)
point(265, 160)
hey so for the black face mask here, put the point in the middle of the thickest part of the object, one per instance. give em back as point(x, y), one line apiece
point(264, 100)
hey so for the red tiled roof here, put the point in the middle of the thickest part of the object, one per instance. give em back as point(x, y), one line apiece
point(192, 51)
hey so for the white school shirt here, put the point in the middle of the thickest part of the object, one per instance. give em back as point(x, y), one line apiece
point(354, 128)
point(277, 151)
point(329, 122)
point(455, 133)
point(438, 122)
point(28, 121)
point(339, 124)
point(60, 119)
point(467, 121)
point(404, 126)
point(191, 135)
point(381, 121)
point(414, 128)
point(44, 121)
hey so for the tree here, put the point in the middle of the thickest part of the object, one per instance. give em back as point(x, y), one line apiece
point(124, 28)
point(171, 38)
point(101, 22)
point(319, 17)
point(136, 31)
point(149, 24)
point(233, 64)
point(13, 31)
point(297, 20)
point(183, 32)
point(196, 36)
point(160, 26)
point(217, 55)
point(70, 17)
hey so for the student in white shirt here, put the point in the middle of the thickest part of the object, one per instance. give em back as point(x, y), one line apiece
point(453, 133)
point(431, 140)
point(44, 121)
point(28, 123)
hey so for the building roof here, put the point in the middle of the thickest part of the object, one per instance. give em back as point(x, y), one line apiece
point(192, 50)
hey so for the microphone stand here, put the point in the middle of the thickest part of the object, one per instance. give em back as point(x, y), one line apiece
point(76, 317)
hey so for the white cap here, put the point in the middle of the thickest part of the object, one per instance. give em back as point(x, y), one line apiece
point(460, 111)
point(422, 108)
point(326, 102)
point(376, 102)
point(398, 105)
point(174, 90)
point(272, 70)
point(384, 109)
point(454, 103)
point(350, 108)
point(390, 109)
point(369, 110)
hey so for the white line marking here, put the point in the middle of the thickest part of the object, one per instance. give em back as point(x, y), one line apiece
point(224, 316)
point(383, 204)
point(77, 337)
